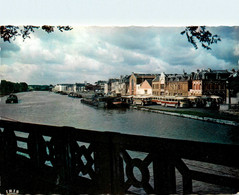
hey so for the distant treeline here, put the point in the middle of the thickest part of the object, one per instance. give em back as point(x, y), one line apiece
point(7, 87)
point(40, 87)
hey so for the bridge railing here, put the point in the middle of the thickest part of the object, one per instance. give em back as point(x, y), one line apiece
point(65, 159)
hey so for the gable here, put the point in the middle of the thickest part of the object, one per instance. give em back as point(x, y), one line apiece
point(145, 85)
point(132, 77)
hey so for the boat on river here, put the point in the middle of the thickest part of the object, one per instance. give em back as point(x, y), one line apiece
point(11, 99)
point(98, 102)
point(101, 101)
point(96, 99)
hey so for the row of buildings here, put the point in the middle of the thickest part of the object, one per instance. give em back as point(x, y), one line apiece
point(200, 83)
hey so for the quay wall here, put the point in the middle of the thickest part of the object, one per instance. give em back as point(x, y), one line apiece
point(208, 119)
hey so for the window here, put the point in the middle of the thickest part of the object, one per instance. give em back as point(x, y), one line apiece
point(132, 81)
point(145, 91)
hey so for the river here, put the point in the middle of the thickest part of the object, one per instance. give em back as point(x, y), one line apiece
point(54, 109)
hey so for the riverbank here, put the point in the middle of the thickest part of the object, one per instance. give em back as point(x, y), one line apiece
point(199, 114)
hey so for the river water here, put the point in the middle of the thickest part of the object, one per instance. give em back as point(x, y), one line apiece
point(54, 109)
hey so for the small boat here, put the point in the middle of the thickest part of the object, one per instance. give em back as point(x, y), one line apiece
point(101, 101)
point(96, 99)
point(12, 99)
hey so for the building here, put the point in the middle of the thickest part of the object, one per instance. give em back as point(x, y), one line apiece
point(209, 82)
point(136, 80)
point(156, 86)
point(124, 84)
point(111, 86)
point(115, 87)
point(101, 85)
point(79, 87)
point(159, 84)
point(63, 88)
point(144, 88)
point(91, 87)
point(178, 84)
point(232, 84)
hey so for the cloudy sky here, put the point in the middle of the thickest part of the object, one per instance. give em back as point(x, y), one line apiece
point(99, 53)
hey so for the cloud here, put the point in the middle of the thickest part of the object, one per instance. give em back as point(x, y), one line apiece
point(130, 38)
point(74, 62)
point(7, 49)
point(99, 53)
point(236, 50)
point(19, 72)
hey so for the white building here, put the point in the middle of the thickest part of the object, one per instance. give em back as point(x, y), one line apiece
point(63, 87)
point(144, 88)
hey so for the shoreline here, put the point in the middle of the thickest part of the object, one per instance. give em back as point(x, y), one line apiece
point(190, 116)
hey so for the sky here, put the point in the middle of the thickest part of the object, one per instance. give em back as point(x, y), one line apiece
point(99, 53)
point(120, 12)
point(113, 38)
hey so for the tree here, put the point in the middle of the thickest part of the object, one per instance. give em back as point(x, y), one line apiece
point(7, 87)
point(24, 86)
point(202, 35)
point(10, 32)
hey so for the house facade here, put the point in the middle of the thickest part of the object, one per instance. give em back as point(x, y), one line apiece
point(136, 79)
point(79, 87)
point(111, 86)
point(115, 87)
point(101, 85)
point(124, 85)
point(232, 85)
point(144, 88)
point(178, 84)
point(163, 84)
point(156, 86)
point(63, 87)
point(209, 82)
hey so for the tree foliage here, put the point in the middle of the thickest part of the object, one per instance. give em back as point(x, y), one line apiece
point(200, 34)
point(7, 87)
point(10, 32)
